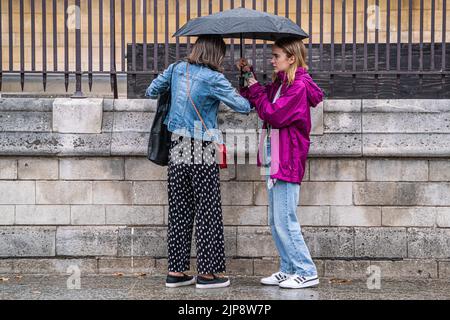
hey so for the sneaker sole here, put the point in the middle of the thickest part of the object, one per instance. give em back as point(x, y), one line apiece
point(306, 285)
point(213, 286)
point(270, 283)
point(180, 284)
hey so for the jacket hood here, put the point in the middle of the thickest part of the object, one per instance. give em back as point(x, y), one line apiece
point(314, 93)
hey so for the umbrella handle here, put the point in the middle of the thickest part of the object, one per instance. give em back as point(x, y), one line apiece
point(241, 81)
point(241, 77)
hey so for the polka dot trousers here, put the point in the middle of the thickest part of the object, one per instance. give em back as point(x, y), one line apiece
point(194, 195)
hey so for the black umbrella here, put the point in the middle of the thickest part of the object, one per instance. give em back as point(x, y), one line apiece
point(242, 23)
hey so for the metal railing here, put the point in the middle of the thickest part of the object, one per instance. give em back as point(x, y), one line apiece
point(327, 59)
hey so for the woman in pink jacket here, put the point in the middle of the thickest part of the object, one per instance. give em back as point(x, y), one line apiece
point(284, 106)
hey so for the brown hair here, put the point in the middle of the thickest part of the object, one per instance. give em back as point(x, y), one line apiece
point(208, 50)
point(292, 47)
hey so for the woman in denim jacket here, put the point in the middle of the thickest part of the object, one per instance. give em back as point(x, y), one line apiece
point(193, 173)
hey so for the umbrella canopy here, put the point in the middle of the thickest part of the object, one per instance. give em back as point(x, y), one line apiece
point(242, 23)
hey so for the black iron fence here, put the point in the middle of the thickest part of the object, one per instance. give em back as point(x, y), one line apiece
point(343, 64)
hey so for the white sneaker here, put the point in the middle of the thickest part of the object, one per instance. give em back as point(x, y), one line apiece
point(275, 279)
point(298, 282)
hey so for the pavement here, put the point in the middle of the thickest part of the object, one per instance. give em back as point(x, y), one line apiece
point(141, 287)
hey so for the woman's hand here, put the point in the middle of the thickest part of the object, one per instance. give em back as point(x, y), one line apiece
point(251, 81)
point(243, 63)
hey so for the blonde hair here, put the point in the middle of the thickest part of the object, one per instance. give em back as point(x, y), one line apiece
point(292, 47)
point(208, 50)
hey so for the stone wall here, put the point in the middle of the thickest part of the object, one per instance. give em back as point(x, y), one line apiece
point(77, 189)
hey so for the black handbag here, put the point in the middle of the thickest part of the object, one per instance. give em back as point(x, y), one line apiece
point(160, 136)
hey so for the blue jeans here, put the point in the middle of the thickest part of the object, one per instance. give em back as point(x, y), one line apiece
point(295, 257)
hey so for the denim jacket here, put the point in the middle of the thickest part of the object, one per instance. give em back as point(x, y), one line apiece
point(208, 88)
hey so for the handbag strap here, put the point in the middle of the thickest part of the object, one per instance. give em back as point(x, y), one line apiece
point(192, 101)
